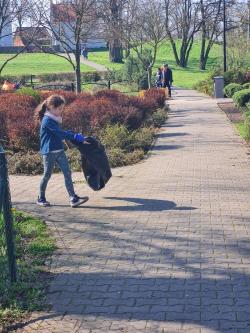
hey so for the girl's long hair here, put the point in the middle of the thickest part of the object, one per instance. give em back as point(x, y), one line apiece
point(53, 101)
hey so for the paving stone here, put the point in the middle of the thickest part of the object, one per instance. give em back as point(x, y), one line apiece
point(164, 247)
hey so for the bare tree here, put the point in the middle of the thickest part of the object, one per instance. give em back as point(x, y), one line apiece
point(182, 20)
point(12, 11)
point(111, 12)
point(148, 25)
point(211, 29)
point(71, 23)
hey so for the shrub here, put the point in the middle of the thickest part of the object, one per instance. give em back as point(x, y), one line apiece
point(142, 139)
point(232, 88)
point(74, 158)
point(235, 76)
point(246, 85)
point(134, 157)
point(159, 117)
point(52, 77)
point(28, 163)
point(113, 95)
point(242, 97)
point(70, 76)
point(157, 95)
point(91, 77)
point(29, 92)
point(69, 96)
point(3, 129)
point(19, 111)
point(77, 116)
point(115, 136)
point(117, 157)
point(247, 127)
point(15, 78)
point(206, 87)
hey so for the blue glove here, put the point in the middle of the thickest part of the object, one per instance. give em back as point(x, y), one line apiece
point(79, 138)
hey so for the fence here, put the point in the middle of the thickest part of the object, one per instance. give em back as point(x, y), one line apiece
point(6, 212)
point(71, 86)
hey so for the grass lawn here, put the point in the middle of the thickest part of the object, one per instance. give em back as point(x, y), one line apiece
point(183, 77)
point(33, 245)
point(38, 63)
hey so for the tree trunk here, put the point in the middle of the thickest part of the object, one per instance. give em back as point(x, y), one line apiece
point(183, 55)
point(150, 77)
point(78, 69)
point(203, 38)
point(177, 60)
point(115, 51)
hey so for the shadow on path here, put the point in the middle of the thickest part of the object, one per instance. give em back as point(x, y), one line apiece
point(148, 205)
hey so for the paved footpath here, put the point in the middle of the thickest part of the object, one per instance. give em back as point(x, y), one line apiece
point(165, 247)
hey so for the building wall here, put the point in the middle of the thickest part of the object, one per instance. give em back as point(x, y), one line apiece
point(90, 43)
point(6, 40)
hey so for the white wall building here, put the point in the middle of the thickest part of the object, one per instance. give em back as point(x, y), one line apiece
point(58, 13)
point(6, 38)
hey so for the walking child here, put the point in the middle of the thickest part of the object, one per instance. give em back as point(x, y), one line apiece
point(49, 114)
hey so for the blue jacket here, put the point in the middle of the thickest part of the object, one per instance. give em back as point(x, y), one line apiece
point(52, 136)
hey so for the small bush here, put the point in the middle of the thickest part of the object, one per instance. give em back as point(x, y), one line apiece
point(77, 116)
point(158, 95)
point(159, 117)
point(69, 96)
point(74, 158)
point(232, 88)
point(235, 76)
point(242, 97)
point(134, 157)
point(70, 76)
point(91, 77)
point(19, 113)
point(246, 85)
point(142, 139)
point(29, 92)
point(247, 127)
point(115, 136)
point(117, 157)
point(206, 87)
point(52, 77)
point(28, 163)
point(3, 129)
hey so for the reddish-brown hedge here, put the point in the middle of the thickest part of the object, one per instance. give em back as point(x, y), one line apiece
point(84, 113)
point(19, 120)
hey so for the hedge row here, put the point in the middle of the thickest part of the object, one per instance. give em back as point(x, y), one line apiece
point(56, 77)
point(239, 77)
point(84, 113)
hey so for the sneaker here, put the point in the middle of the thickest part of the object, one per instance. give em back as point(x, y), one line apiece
point(42, 202)
point(77, 201)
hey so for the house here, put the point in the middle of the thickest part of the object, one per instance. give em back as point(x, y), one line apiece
point(31, 36)
point(63, 17)
point(6, 39)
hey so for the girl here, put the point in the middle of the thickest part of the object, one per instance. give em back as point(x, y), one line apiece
point(49, 114)
point(159, 78)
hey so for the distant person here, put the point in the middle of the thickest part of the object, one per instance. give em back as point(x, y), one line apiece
point(85, 53)
point(167, 78)
point(159, 78)
point(49, 115)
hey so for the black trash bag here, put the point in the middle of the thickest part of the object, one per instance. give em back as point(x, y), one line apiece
point(95, 164)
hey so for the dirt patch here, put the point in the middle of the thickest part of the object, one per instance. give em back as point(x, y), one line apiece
point(232, 112)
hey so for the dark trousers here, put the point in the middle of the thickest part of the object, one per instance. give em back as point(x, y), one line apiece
point(168, 85)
